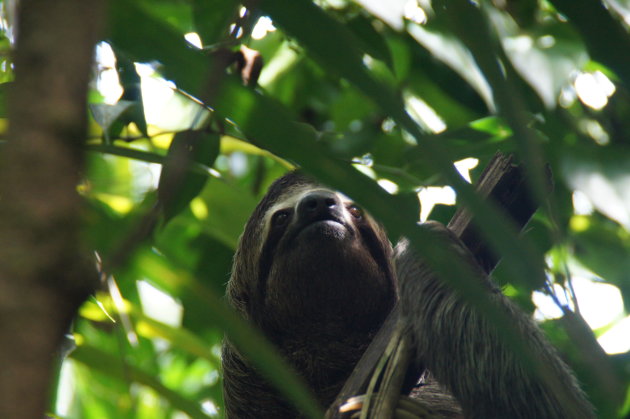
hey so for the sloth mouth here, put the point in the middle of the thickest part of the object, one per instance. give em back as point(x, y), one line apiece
point(326, 227)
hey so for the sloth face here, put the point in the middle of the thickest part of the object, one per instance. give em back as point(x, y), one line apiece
point(320, 258)
point(312, 221)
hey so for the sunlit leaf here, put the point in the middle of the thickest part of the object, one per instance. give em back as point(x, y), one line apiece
point(546, 57)
point(105, 115)
point(603, 251)
point(452, 52)
point(178, 337)
point(605, 179)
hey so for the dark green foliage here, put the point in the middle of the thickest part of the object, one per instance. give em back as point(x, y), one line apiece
point(339, 86)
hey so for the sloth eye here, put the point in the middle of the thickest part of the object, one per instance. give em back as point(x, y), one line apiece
point(280, 218)
point(355, 211)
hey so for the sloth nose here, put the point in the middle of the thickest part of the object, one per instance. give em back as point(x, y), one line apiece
point(319, 205)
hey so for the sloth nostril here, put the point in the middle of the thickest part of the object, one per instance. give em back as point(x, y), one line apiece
point(318, 205)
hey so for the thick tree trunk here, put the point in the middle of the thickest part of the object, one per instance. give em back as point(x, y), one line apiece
point(43, 275)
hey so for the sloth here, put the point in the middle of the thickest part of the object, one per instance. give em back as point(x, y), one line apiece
point(318, 276)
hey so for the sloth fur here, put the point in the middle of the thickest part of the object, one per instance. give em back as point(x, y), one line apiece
point(318, 277)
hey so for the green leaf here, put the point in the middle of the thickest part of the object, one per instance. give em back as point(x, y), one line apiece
point(144, 38)
point(601, 249)
point(175, 13)
point(105, 115)
point(371, 40)
point(602, 174)
point(451, 51)
point(132, 91)
point(213, 18)
point(178, 184)
point(604, 35)
point(225, 220)
point(546, 68)
point(131, 153)
point(105, 363)
point(180, 338)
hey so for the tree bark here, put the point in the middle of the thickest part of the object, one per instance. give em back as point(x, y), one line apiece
point(44, 276)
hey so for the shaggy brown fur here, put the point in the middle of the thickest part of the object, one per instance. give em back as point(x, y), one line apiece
point(466, 354)
point(315, 274)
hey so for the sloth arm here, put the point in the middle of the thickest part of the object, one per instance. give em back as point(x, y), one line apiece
point(466, 353)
